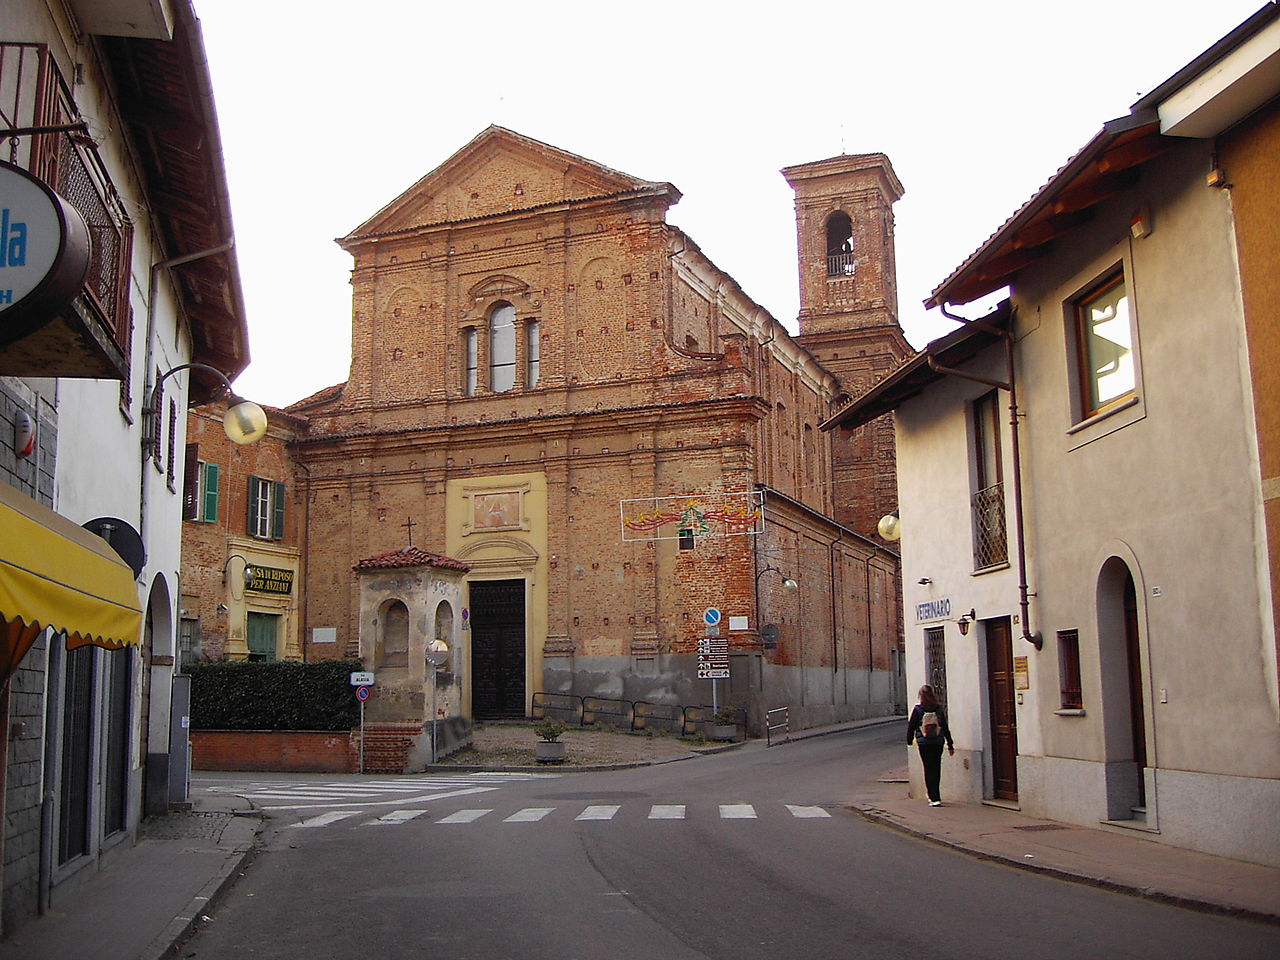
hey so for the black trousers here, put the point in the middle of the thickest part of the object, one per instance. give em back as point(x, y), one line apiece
point(931, 759)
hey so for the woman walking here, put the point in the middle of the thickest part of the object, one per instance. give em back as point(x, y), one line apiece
point(928, 727)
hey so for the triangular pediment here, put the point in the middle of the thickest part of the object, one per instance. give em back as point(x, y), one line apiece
point(500, 172)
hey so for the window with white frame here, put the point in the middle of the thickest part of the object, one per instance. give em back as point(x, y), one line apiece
point(266, 509)
point(200, 482)
point(990, 536)
point(471, 345)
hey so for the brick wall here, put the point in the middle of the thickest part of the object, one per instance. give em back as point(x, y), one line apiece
point(284, 751)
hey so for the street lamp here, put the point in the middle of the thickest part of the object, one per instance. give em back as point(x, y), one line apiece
point(788, 584)
point(890, 526)
point(245, 422)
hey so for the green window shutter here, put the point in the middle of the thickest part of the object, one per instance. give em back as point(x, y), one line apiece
point(210, 493)
point(277, 510)
point(253, 506)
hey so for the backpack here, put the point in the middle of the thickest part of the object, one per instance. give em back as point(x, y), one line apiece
point(930, 725)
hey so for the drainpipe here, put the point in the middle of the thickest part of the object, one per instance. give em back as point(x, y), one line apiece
point(1024, 595)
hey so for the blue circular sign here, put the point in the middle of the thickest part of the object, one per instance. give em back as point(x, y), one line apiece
point(362, 693)
point(711, 615)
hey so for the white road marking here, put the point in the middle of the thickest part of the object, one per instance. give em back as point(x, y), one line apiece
point(598, 812)
point(390, 800)
point(806, 812)
point(394, 817)
point(464, 816)
point(737, 811)
point(528, 815)
point(324, 819)
point(666, 811)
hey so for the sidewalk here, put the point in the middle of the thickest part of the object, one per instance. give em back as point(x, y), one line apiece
point(1111, 859)
point(148, 898)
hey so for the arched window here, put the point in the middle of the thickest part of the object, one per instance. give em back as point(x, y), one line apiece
point(840, 254)
point(502, 348)
point(444, 622)
point(395, 635)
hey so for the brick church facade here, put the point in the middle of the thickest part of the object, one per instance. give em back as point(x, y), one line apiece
point(600, 435)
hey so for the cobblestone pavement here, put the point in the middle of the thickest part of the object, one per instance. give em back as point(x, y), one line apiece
point(187, 825)
point(513, 745)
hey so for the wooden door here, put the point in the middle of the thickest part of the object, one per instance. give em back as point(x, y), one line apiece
point(1137, 715)
point(1003, 713)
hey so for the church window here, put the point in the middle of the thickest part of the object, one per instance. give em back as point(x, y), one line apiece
point(502, 348)
point(471, 341)
point(840, 255)
point(533, 352)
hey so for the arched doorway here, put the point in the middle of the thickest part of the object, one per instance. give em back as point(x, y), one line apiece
point(1120, 655)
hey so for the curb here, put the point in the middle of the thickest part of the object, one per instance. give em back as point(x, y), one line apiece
point(877, 816)
point(591, 768)
point(242, 846)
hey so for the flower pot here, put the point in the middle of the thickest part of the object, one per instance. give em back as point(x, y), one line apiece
point(724, 731)
point(549, 751)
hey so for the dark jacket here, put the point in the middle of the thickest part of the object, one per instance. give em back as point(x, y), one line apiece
point(915, 733)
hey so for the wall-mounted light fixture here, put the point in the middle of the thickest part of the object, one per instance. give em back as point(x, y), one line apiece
point(965, 620)
point(788, 584)
point(244, 422)
point(890, 527)
point(248, 570)
point(924, 581)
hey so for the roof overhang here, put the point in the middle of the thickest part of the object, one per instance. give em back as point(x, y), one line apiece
point(918, 372)
point(55, 574)
point(165, 97)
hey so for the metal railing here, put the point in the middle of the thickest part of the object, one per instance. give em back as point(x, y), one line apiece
point(778, 718)
point(841, 264)
point(990, 538)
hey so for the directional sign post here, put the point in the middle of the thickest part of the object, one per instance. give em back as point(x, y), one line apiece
point(362, 680)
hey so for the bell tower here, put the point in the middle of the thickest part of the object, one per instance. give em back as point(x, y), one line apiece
point(849, 312)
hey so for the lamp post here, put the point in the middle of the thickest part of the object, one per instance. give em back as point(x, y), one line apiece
point(890, 527)
point(437, 654)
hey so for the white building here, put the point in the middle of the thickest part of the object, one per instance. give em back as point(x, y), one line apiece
point(117, 269)
point(1086, 475)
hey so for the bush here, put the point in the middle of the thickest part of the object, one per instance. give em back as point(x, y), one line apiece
point(549, 730)
point(274, 695)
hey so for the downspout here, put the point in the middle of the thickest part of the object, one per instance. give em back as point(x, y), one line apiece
point(1024, 602)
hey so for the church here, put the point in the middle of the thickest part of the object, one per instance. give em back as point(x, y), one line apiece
point(576, 454)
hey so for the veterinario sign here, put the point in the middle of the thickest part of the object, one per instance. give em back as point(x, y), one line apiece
point(933, 610)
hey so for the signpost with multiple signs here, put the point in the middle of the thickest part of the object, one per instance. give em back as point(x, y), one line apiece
point(362, 680)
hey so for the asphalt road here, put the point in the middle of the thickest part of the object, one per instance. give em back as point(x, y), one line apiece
point(748, 855)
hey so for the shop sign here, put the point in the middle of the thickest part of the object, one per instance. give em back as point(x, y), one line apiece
point(269, 579)
point(44, 253)
point(933, 610)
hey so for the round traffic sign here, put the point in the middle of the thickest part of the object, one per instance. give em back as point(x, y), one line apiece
point(711, 615)
point(362, 694)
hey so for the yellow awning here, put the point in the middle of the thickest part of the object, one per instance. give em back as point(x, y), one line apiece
point(56, 574)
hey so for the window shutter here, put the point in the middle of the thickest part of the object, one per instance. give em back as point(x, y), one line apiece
point(277, 510)
point(191, 483)
point(253, 506)
point(210, 493)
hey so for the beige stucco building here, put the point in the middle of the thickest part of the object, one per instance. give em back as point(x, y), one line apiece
point(1087, 572)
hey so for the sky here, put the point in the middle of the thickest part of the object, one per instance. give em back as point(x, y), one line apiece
point(329, 111)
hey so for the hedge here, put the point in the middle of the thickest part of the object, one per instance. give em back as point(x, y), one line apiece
point(274, 695)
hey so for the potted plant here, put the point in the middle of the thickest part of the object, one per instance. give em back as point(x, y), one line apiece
point(549, 748)
point(724, 723)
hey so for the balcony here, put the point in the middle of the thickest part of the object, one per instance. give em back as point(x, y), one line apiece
point(90, 336)
point(841, 264)
point(990, 539)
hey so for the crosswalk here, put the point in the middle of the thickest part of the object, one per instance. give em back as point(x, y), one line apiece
point(601, 812)
point(315, 794)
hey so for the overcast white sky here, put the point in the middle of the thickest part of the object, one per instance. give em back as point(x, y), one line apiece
point(330, 110)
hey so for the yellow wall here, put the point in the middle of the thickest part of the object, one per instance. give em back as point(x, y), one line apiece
point(513, 547)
